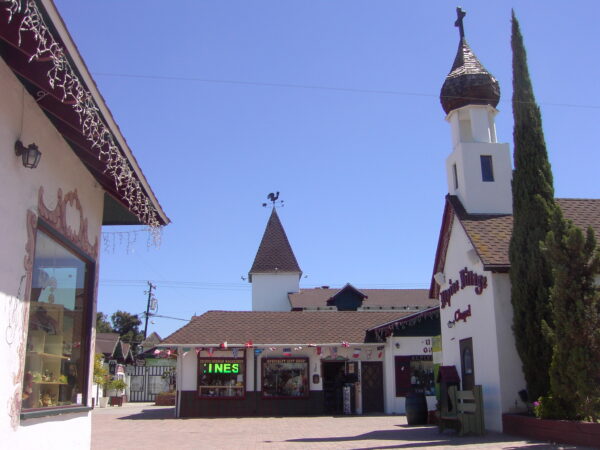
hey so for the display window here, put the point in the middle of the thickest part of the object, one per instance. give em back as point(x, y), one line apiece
point(414, 374)
point(221, 377)
point(57, 355)
point(285, 377)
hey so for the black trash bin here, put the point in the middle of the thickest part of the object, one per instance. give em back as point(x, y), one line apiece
point(416, 408)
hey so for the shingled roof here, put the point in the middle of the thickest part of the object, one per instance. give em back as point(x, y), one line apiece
point(270, 327)
point(490, 234)
point(274, 252)
point(385, 298)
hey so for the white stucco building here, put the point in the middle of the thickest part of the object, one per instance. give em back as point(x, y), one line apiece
point(50, 222)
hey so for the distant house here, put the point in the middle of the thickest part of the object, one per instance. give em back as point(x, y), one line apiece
point(67, 171)
point(113, 349)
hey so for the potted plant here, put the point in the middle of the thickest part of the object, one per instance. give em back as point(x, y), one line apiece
point(100, 378)
point(118, 386)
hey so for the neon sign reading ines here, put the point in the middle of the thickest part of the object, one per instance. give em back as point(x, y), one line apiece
point(221, 368)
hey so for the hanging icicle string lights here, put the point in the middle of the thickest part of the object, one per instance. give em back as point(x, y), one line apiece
point(128, 239)
point(63, 77)
point(384, 332)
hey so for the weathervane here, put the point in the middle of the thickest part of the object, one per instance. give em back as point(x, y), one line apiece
point(273, 197)
point(460, 14)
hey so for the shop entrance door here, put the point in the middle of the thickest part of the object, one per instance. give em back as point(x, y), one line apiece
point(372, 386)
point(467, 364)
point(333, 382)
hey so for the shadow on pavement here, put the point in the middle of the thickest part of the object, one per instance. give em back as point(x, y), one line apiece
point(426, 436)
point(151, 414)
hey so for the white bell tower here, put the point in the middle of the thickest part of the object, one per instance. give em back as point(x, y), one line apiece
point(479, 169)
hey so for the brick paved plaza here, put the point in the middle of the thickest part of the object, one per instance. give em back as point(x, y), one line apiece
point(143, 426)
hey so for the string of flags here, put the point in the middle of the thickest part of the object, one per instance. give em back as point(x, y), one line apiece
point(285, 351)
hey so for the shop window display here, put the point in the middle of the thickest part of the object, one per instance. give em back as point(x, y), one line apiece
point(57, 356)
point(285, 377)
point(414, 374)
point(221, 377)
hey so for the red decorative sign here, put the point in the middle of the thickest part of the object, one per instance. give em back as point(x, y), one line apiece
point(462, 315)
point(467, 278)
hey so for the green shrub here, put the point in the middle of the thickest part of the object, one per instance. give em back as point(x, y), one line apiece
point(547, 408)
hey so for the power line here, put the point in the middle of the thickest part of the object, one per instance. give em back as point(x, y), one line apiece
point(312, 87)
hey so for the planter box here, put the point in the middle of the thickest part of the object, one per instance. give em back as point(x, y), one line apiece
point(165, 399)
point(561, 431)
point(116, 401)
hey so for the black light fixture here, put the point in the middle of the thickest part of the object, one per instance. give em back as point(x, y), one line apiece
point(31, 154)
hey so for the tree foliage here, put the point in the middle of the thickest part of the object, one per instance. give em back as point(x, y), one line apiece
point(127, 325)
point(100, 372)
point(533, 206)
point(102, 323)
point(575, 335)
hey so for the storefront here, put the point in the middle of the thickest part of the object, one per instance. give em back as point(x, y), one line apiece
point(243, 363)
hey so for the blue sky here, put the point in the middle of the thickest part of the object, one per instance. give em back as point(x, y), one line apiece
point(334, 104)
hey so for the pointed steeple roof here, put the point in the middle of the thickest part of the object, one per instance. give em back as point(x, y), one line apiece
point(468, 82)
point(275, 252)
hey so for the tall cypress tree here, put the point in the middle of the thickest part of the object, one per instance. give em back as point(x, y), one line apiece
point(533, 206)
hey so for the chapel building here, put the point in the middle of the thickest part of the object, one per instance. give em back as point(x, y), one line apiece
point(471, 268)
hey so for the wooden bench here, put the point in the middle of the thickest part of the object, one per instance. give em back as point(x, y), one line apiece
point(464, 411)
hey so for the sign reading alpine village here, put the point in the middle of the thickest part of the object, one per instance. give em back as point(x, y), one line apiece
point(467, 278)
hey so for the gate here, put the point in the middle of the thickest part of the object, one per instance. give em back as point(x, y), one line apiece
point(147, 381)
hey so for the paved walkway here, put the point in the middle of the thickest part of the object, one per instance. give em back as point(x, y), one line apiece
point(147, 427)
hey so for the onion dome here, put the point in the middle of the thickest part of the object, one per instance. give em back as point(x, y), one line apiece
point(468, 83)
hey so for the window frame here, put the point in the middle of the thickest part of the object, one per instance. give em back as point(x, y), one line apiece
point(221, 358)
point(487, 168)
point(86, 327)
point(305, 395)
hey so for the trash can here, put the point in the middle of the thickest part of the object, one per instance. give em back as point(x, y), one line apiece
point(416, 408)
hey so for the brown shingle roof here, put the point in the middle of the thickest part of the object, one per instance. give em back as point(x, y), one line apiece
point(269, 327)
point(490, 234)
point(106, 342)
point(275, 252)
point(316, 297)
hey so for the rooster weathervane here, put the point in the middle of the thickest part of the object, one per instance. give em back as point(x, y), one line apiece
point(274, 199)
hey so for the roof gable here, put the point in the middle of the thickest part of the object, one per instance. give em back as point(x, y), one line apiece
point(274, 252)
point(490, 234)
point(36, 45)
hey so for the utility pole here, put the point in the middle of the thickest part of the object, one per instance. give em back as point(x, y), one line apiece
point(150, 287)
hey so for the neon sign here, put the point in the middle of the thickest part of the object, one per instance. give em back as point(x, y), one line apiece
point(221, 367)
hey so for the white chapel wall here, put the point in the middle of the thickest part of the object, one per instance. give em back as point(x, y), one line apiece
point(480, 326)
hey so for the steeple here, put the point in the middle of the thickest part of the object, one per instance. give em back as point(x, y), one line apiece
point(479, 170)
point(275, 271)
point(468, 82)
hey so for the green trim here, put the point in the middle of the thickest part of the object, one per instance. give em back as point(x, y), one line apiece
point(54, 412)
